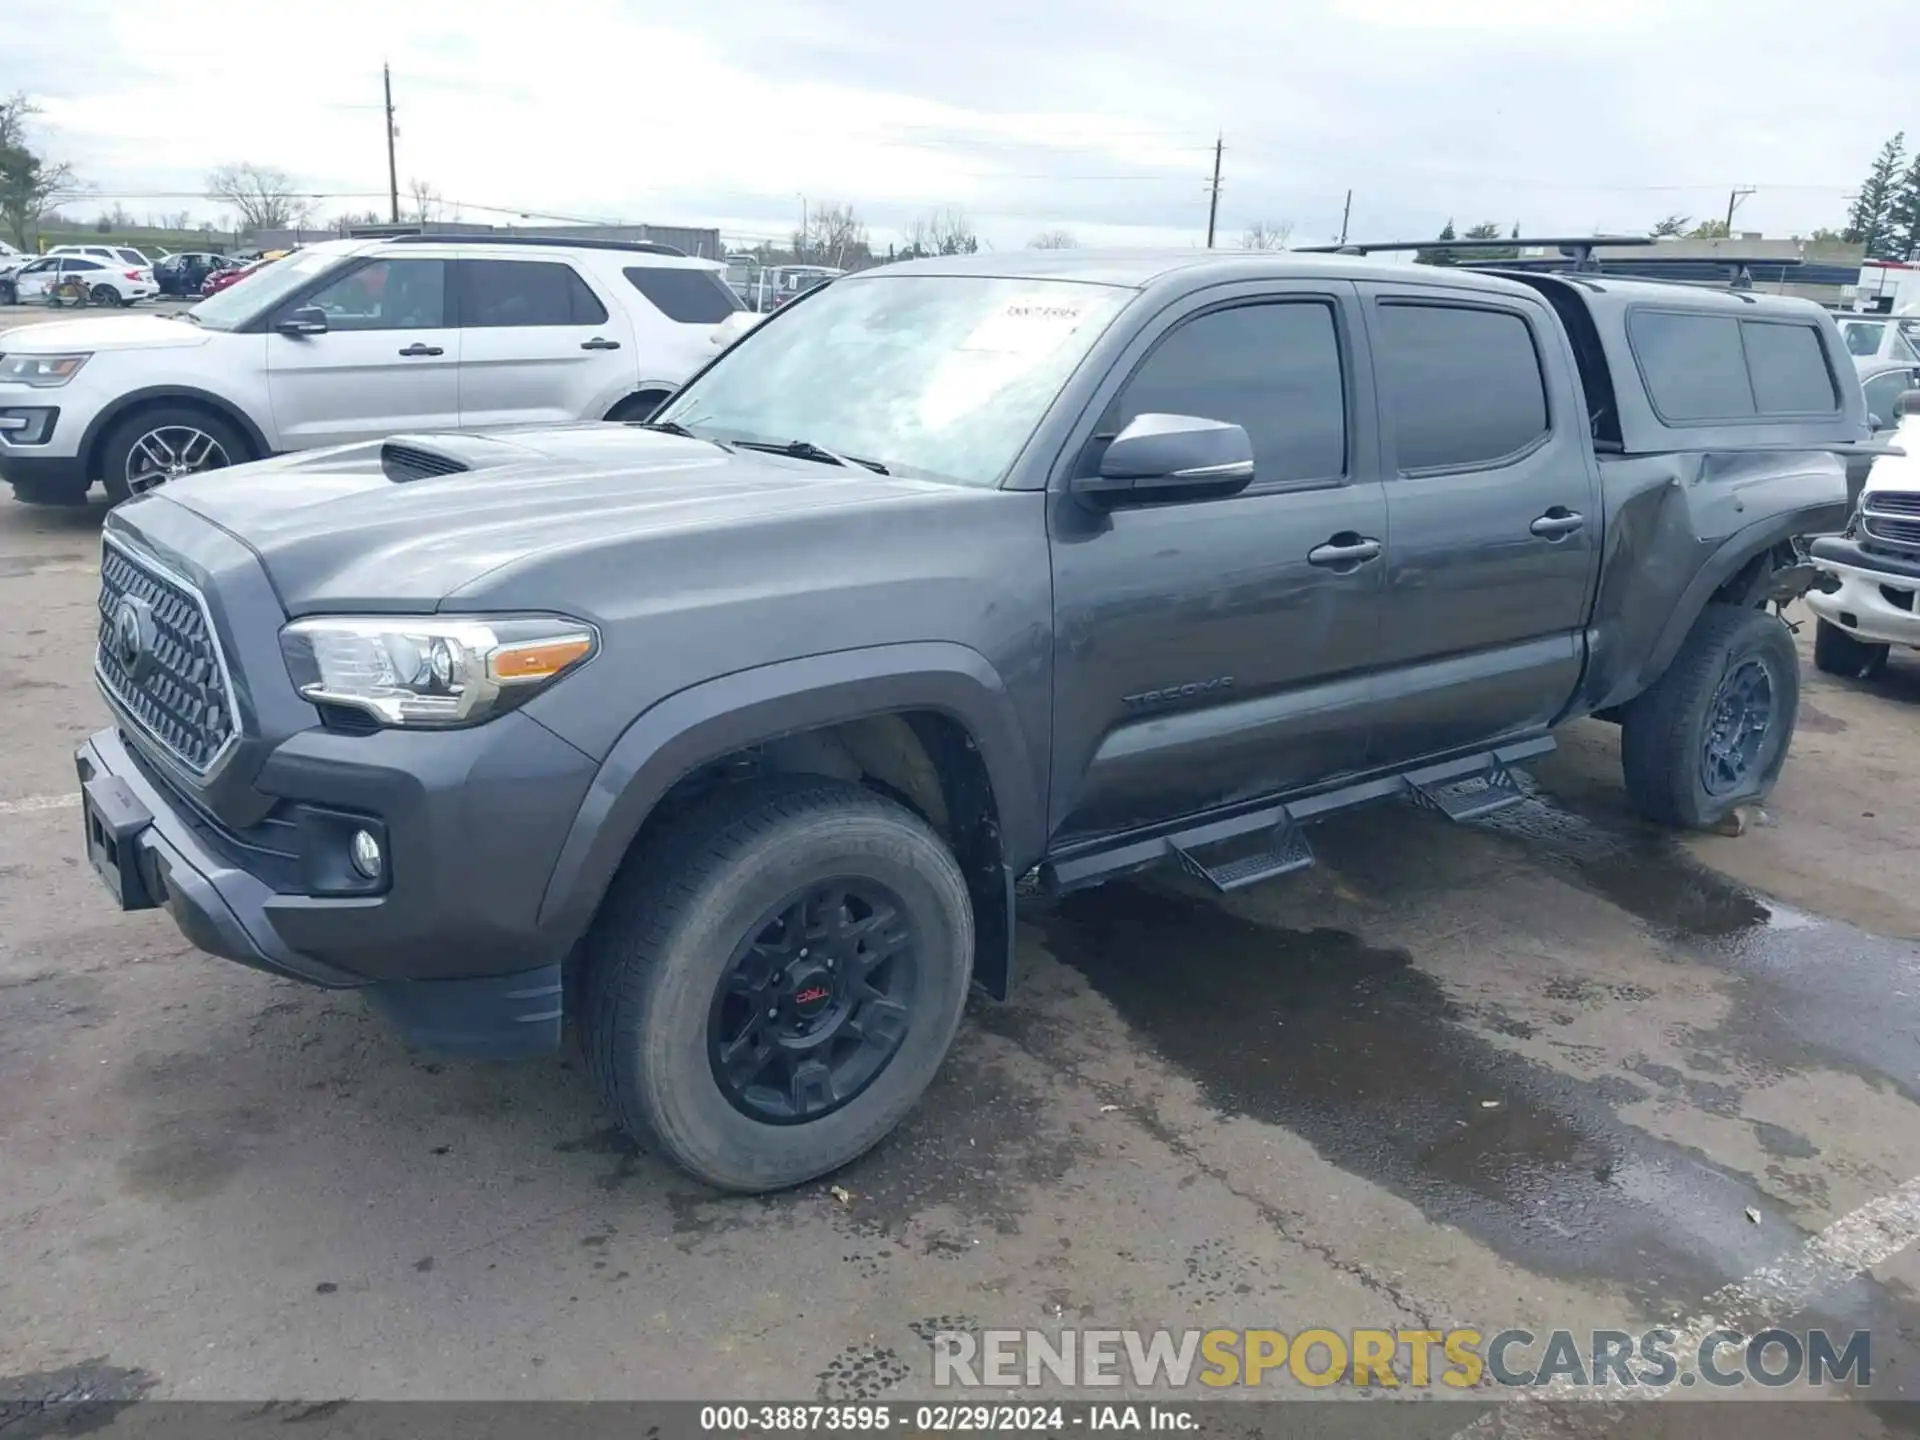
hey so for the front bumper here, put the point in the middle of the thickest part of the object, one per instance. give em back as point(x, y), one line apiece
point(1879, 596)
point(444, 963)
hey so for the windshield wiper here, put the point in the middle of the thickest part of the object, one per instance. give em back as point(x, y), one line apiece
point(807, 450)
point(674, 427)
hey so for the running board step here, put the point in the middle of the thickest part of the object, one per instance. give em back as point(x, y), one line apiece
point(1468, 785)
point(1471, 796)
point(1284, 851)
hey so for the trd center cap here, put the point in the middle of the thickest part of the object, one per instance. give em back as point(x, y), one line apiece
point(812, 993)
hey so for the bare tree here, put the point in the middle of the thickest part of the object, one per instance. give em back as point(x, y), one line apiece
point(945, 231)
point(1266, 235)
point(1053, 240)
point(263, 195)
point(426, 201)
point(835, 236)
point(27, 181)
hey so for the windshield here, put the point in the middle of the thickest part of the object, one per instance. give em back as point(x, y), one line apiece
point(244, 299)
point(942, 376)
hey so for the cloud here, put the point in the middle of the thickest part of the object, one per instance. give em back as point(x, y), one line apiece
point(1095, 115)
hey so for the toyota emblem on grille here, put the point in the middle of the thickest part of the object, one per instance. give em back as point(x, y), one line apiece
point(132, 637)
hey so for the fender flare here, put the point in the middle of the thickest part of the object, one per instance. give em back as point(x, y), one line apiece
point(97, 428)
point(1734, 554)
point(700, 724)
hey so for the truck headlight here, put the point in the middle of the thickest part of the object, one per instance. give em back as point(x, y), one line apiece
point(432, 672)
point(43, 372)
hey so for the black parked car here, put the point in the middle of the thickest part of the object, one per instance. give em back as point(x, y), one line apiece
point(185, 273)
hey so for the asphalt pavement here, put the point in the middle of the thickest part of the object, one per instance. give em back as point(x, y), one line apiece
point(1551, 1070)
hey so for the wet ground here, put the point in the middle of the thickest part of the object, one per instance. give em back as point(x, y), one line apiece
point(1549, 1070)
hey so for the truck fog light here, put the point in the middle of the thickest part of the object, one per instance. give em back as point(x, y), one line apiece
point(367, 858)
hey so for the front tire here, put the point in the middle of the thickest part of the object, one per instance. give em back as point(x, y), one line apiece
point(774, 979)
point(1835, 652)
point(163, 443)
point(1713, 732)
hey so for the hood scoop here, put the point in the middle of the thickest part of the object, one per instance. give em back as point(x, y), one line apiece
point(425, 457)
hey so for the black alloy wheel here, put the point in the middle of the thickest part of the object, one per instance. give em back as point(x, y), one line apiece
point(814, 1002)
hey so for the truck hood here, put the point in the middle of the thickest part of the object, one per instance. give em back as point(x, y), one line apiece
point(96, 333)
point(335, 532)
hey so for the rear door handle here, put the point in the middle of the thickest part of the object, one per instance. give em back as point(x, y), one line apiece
point(1344, 551)
point(1558, 523)
point(418, 349)
point(598, 343)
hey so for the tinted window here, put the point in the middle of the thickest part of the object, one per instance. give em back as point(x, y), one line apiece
point(1788, 369)
point(496, 293)
point(1273, 370)
point(1694, 365)
point(1719, 367)
point(688, 297)
point(1463, 386)
point(132, 257)
point(72, 264)
point(386, 295)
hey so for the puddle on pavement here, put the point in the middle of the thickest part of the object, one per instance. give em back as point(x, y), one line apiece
point(1361, 1052)
point(1818, 991)
point(1358, 1051)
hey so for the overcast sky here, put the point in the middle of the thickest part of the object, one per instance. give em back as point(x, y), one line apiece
point(1093, 115)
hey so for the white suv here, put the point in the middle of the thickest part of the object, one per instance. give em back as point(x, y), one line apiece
point(351, 340)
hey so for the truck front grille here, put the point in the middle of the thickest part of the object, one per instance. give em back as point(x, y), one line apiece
point(1894, 502)
point(159, 658)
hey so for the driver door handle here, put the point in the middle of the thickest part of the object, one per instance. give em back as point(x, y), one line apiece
point(418, 349)
point(1558, 523)
point(599, 343)
point(1344, 551)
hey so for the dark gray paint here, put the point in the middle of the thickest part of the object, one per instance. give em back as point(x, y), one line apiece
point(744, 596)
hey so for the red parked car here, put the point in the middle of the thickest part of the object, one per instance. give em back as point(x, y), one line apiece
point(221, 279)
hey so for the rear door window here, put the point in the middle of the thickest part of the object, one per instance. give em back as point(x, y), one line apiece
point(499, 294)
point(685, 296)
point(1463, 385)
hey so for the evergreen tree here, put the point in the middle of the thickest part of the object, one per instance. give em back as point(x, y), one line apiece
point(1871, 221)
point(1903, 215)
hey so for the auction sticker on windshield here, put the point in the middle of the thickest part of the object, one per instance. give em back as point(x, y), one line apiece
point(1028, 325)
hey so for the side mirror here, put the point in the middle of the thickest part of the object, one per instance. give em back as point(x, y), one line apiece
point(1908, 403)
point(1161, 458)
point(307, 320)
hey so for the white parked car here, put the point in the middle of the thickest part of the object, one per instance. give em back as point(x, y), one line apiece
point(108, 282)
point(351, 340)
point(1881, 337)
point(1876, 563)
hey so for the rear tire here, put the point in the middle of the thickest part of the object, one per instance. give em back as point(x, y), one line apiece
point(1713, 732)
point(106, 295)
point(1835, 652)
point(721, 898)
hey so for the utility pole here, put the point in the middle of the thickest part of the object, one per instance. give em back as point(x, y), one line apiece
point(393, 170)
point(1213, 204)
point(1345, 215)
point(1739, 193)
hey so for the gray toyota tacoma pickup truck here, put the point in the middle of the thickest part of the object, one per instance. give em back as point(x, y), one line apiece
point(731, 735)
